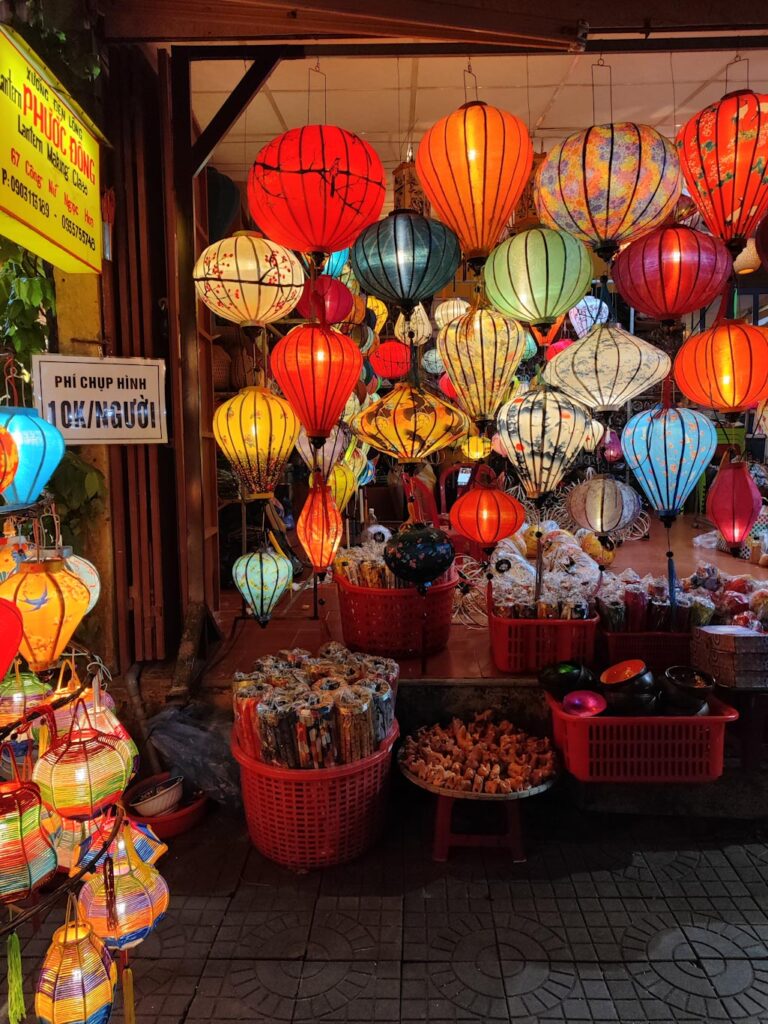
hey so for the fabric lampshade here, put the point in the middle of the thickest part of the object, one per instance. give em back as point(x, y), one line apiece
point(603, 505)
point(725, 367)
point(40, 448)
point(27, 851)
point(262, 578)
point(326, 300)
point(319, 527)
point(486, 515)
point(733, 501)
point(410, 423)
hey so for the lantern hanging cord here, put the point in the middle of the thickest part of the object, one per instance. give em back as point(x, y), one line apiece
point(737, 59)
point(316, 70)
point(600, 63)
point(469, 73)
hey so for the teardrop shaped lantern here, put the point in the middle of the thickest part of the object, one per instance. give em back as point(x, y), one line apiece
point(607, 368)
point(329, 453)
point(594, 435)
point(486, 515)
point(733, 501)
point(20, 693)
point(448, 310)
point(405, 258)
point(334, 265)
point(326, 300)
point(409, 424)
point(415, 329)
point(316, 369)
point(542, 432)
point(481, 351)
point(27, 851)
point(672, 271)
point(419, 553)
point(40, 448)
point(473, 166)
point(256, 430)
point(248, 280)
point(319, 527)
point(603, 505)
point(342, 482)
point(587, 313)
point(668, 449)
point(262, 578)
point(316, 188)
point(608, 184)
point(726, 367)
point(538, 275)
point(392, 360)
point(722, 152)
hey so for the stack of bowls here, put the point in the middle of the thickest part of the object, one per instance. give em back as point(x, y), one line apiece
point(629, 688)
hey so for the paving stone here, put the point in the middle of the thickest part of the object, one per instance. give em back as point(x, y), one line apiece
point(246, 990)
point(349, 991)
point(535, 990)
point(435, 934)
point(209, 859)
point(454, 991)
point(263, 934)
point(188, 928)
point(273, 886)
point(356, 928)
point(163, 989)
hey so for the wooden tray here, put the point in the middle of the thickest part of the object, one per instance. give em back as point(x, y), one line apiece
point(460, 794)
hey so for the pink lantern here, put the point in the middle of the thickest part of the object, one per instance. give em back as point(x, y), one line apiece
point(733, 501)
point(611, 446)
point(558, 346)
point(446, 386)
point(326, 300)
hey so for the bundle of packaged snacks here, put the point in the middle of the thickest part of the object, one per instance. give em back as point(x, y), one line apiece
point(277, 717)
point(383, 705)
point(247, 695)
point(354, 724)
point(364, 566)
point(315, 734)
point(560, 598)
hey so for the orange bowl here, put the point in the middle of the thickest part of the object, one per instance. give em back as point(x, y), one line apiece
point(622, 672)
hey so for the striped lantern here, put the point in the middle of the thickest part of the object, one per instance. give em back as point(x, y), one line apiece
point(415, 329)
point(20, 693)
point(392, 360)
point(88, 573)
point(379, 310)
point(40, 449)
point(78, 840)
point(475, 447)
point(594, 435)
point(449, 310)
point(65, 715)
point(262, 577)
point(319, 526)
point(9, 458)
point(325, 299)
point(724, 368)
point(27, 851)
point(603, 505)
point(329, 453)
point(486, 515)
point(342, 482)
point(410, 423)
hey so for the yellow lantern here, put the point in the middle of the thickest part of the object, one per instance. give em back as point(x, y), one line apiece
point(380, 310)
point(449, 310)
point(409, 424)
point(476, 447)
point(357, 460)
point(342, 484)
point(256, 430)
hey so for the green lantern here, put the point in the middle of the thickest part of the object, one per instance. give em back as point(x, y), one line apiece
point(262, 578)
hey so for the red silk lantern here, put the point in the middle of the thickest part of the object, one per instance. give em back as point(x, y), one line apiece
point(446, 386)
point(486, 515)
point(558, 346)
point(319, 526)
point(11, 632)
point(724, 368)
point(391, 360)
point(316, 188)
point(672, 271)
point(316, 368)
point(326, 300)
point(733, 501)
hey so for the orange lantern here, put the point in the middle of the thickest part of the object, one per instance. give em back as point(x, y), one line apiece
point(319, 526)
point(9, 458)
point(487, 515)
point(724, 368)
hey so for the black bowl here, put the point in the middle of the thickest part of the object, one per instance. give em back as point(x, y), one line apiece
point(565, 677)
point(630, 703)
point(686, 688)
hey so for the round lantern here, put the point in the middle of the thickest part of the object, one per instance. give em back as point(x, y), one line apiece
point(610, 445)
point(26, 849)
point(409, 424)
point(316, 188)
point(480, 352)
point(40, 448)
point(256, 430)
point(415, 329)
point(342, 482)
point(748, 260)
point(262, 578)
point(326, 300)
point(448, 310)
point(733, 501)
point(475, 447)
point(668, 449)
point(557, 347)
point(319, 527)
point(672, 271)
point(607, 368)
point(538, 275)
point(336, 262)
point(608, 184)
point(316, 369)
point(356, 315)
point(726, 367)
point(391, 360)
point(419, 553)
point(20, 693)
point(473, 166)
point(722, 155)
point(248, 279)
point(593, 436)
point(542, 432)
point(588, 312)
point(329, 453)
point(486, 515)
point(432, 362)
point(603, 505)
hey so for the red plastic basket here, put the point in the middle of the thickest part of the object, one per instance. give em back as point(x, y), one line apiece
point(397, 623)
point(657, 650)
point(659, 748)
point(527, 645)
point(319, 816)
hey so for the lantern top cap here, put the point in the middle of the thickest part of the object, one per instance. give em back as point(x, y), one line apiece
point(473, 103)
point(72, 931)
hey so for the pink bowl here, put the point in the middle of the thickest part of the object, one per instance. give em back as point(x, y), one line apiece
point(584, 703)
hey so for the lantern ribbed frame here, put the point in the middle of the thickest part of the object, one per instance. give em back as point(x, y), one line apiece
point(672, 271)
point(486, 515)
point(342, 483)
point(319, 527)
point(20, 693)
point(326, 300)
point(89, 574)
point(603, 505)
point(316, 369)
point(27, 851)
point(725, 367)
point(538, 275)
point(262, 577)
point(248, 280)
point(336, 262)
point(66, 714)
point(418, 324)
point(722, 152)
point(448, 310)
point(733, 502)
point(392, 359)
point(9, 458)
point(256, 430)
point(83, 773)
point(594, 435)
point(328, 454)
point(480, 352)
point(475, 447)
point(40, 448)
point(409, 423)
point(314, 189)
point(668, 449)
point(608, 184)
point(607, 367)
point(79, 839)
point(473, 166)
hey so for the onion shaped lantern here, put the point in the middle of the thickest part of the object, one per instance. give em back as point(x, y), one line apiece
point(608, 184)
point(319, 527)
point(405, 258)
point(415, 329)
point(409, 424)
point(40, 448)
point(475, 447)
point(668, 449)
point(733, 501)
point(391, 360)
point(20, 693)
point(248, 279)
point(672, 271)
point(607, 368)
point(486, 515)
point(480, 352)
point(603, 505)
point(586, 314)
point(542, 432)
point(448, 310)
point(27, 850)
point(262, 578)
point(722, 152)
point(432, 362)
point(329, 453)
point(473, 166)
point(314, 189)
point(316, 369)
point(538, 275)
point(326, 300)
point(724, 368)
point(256, 430)
point(419, 554)
point(342, 481)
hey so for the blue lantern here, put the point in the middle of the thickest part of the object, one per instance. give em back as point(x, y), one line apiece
point(368, 474)
point(405, 258)
point(336, 262)
point(531, 348)
point(41, 449)
point(262, 578)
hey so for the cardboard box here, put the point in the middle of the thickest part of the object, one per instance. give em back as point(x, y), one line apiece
point(734, 655)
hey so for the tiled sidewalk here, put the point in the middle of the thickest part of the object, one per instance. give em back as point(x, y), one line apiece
point(611, 919)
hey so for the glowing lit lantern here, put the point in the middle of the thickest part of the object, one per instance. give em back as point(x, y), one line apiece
point(336, 262)
point(748, 260)
point(593, 436)
point(450, 309)
point(11, 632)
point(722, 152)
point(20, 693)
point(473, 165)
point(497, 445)
point(432, 362)
point(262, 578)
point(415, 329)
point(326, 300)
point(409, 424)
point(351, 409)
point(78, 976)
point(79, 840)
point(316, 188)
point(368, 475)
point(256, 430)
point(40, 449)
point(481, 351)
point(26, 849)
point(733, 501)
point(316, 369)
point(603, 505)
point(329, 453)
point(761, 241)
point(9, 458)
point(611, 446)
point(557, 347)
point(446, 386)
point(87, 572)
point(726, 367)
point(355, 316)
point(342, 483)
point(586, 313)
point(52, 602)
point(380, 311)
point(608, 184)
point(486, 515)
point(542, 432)
point(672, 271)
point(391, 360)
point(475, 447)
point(248, 279)
point(668, 449)
point(13, 549)
point(319, 527)
point(607, 368)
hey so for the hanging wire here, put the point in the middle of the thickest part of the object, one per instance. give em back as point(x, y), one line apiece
point(531, 128)
point(600, 63)
point(400, 139)
point(469, 73)
point(738, 59)
point(316, 71)
point(674, 89)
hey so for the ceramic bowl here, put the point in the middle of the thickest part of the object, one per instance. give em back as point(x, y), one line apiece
point(686, 688)
point(584, 703)
point(629, 677)
point(161, 798)
point(566, 676)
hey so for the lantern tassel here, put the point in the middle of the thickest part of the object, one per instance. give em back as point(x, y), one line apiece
point(671, 581)
point(17, 1010)
point(109, 891)
point(129, 1006)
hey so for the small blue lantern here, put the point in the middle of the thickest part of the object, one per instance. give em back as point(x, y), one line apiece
point(41, 449)
point(368, 474)
point(262, 578)
point(336, 262)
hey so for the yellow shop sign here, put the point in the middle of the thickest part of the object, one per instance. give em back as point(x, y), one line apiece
point(49, 164)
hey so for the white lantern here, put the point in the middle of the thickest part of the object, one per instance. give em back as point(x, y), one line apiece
point(603, 505)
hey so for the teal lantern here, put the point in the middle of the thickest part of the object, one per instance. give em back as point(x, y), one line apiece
point(368, 475)
point(336, 262)
point(41, 449)
point(531, 348)
point(262, 578)
point(405, 258)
